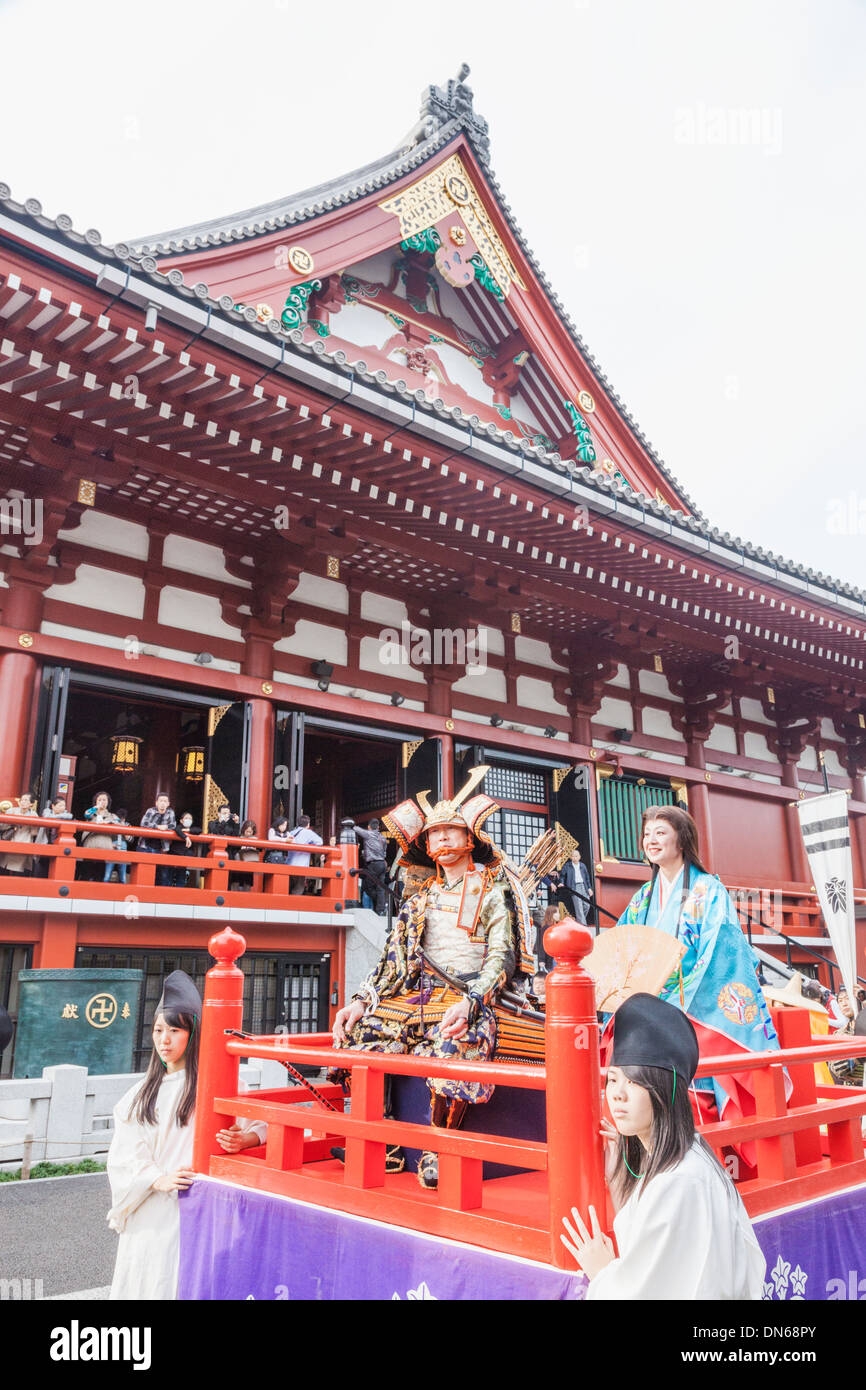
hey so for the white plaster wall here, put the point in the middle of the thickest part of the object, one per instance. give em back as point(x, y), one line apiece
point(756, 746)
point(832, 762)
point(79, 634)
point(619, 713)
point(381, 657)
point(175, 654)
point(828, 731)
point(105, 532)
point(657, 722)
point(104, 591)
point(464, 372)
point(536, 653)
point(321, 593)
point(317, 641)
point(487, 684)
point(495, 641)
point(766, 777)
point(722, 738)
point(727, 709)
point(535, 694)
point(379, 608)
point(360, 324)
point(653, 683)
point(809, 761)
point(195, 557)
point(621, 678)
point(194, 612)
point(751, 709)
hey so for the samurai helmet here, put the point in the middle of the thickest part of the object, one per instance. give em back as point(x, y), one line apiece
point(410, 821)
point(448, 812)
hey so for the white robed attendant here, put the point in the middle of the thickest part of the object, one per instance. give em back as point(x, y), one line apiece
point(147, 1219)
point(151, 1150)
point(681, 1230)
point(687, 1237)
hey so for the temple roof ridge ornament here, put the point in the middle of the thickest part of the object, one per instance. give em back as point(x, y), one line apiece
point(453, 102)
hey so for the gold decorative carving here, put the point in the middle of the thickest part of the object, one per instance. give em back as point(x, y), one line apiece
point(657, 665)
point(457, 234)
point(708, 777)
point(681, 790)
point(409, 750)
point(264, 312)
point(267, 688)
point(86, 492)
point(333, 567)
point(214, 715)
point(559, 776)
point(449, 726)
point(214, 797)
point(25, 639)
point(515, 623)
point(565, 843)
point(862, 721)
point(585, 401)
point(771, 695)
point(301, 261)
point(433, 198)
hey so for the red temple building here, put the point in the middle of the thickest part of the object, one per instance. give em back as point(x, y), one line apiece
point(317, 505)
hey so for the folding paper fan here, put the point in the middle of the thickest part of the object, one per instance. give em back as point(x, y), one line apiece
point(628, 960)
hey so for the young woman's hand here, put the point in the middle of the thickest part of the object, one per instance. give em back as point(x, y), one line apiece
point(235, 1139)
point(611, 1140)
point(178, 1181)
point(592, 1252)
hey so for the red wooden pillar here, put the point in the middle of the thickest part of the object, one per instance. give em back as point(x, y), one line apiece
point(575, 1160)
point(447, 790)
point(800, 871)
point(57, 946)
point(699, 802)
point(217, 1068)
point(18, 671)
point(261, 784)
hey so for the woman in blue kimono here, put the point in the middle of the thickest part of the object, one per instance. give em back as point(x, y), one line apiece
point(717, 982)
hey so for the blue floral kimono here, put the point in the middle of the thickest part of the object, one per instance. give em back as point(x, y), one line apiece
point(717, 984)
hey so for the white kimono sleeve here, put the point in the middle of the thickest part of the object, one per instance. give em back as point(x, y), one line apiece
point(685, 1238)
point(131, 1164)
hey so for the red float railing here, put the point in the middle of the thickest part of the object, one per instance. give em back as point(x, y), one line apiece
point(805, 1148)
point(338, 868)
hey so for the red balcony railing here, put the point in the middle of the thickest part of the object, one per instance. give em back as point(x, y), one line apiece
point(806, 1147)
point(266, 885)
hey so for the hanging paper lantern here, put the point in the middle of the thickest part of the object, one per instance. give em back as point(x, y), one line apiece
point(192, 763)
point(124, 753)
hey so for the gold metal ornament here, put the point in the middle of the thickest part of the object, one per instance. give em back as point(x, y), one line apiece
point(264, 312)
point(25, 639)
point(449, 726)
point(301, 261)
point(457, 235)
point(86, 492)
point(585, 401)
point(333, 567)
point(267, 688)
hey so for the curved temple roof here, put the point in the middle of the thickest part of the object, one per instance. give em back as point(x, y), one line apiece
point(445, 112)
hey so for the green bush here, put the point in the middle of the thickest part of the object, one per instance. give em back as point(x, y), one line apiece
point(56, 1170)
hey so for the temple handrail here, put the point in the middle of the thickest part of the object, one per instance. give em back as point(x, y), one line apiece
point(395, 1063)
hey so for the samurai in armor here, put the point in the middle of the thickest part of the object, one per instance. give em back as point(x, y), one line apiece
point(469, 915)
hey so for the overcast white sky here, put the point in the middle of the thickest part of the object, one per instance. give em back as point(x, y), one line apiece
point(689, 174)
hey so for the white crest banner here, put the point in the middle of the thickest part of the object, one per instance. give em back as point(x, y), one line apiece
point(827, 838)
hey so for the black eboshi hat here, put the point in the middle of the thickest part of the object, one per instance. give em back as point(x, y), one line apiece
point(647, 1032)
